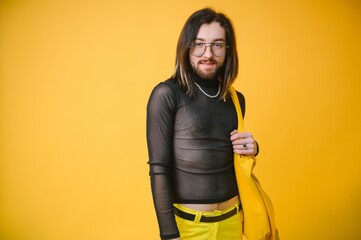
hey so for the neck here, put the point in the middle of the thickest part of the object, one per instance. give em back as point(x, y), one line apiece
point(209, 83)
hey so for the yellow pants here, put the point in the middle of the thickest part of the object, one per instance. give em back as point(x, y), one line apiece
point(228, 229)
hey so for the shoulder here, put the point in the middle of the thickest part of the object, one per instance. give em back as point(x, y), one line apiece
point(165, 93)
point(164, 88)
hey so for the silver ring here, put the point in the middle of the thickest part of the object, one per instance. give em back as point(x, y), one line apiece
point(244, 146)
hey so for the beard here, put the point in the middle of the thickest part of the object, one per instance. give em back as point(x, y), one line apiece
point(206, 74)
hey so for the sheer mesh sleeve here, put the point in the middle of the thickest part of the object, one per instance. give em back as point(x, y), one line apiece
point(160, 125)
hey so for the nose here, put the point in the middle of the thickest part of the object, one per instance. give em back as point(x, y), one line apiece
point(208, 52)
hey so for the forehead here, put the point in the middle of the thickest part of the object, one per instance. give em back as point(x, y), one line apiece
point(211, 32)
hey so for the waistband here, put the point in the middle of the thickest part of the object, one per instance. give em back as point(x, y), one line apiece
point(199, 216)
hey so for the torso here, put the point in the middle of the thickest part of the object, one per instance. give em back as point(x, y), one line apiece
point(203, 171)
point(213, 206)
point(195, 132)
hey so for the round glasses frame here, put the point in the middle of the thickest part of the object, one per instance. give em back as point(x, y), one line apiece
point(215, 48)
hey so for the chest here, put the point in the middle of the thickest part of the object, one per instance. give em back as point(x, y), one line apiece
point(202, 117)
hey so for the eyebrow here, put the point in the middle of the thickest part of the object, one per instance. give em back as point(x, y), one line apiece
point(215, 40)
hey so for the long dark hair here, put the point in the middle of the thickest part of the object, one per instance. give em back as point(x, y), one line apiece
point(183, 71)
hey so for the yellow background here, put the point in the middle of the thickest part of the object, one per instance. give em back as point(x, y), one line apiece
point(75, 77)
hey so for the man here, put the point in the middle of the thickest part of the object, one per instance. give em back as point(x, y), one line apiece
point(191, 122)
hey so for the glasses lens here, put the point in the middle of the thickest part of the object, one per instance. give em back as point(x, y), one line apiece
point(198, 49)
point(218, 49)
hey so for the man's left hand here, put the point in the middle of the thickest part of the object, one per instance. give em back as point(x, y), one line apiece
point(243, 143)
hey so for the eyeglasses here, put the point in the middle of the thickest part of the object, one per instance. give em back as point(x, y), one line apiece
point(217, 49)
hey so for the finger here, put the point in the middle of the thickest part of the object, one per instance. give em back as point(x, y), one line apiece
point(239, 142)
point(245, 135)
point(246, 140)
point(244, 152)
point(234, 132)
point(241, 135)
point(234, 137)
point(244, 146)
point(244, 149)
point(236, 140)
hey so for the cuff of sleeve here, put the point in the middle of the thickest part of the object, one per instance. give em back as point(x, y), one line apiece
point(169, 236)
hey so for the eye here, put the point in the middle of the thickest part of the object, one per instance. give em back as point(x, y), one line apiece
point(218, 45)
point(198, 45)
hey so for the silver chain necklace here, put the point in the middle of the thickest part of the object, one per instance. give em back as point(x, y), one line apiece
point(210, 96)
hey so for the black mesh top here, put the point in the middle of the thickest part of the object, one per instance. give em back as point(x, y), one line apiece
point(190, 152)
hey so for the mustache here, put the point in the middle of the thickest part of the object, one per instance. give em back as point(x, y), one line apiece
point(209, 60)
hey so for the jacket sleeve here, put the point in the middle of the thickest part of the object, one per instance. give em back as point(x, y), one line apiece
point(161, 110)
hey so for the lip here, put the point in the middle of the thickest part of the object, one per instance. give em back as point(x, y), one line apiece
point(207, 65)
point(207, 62)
